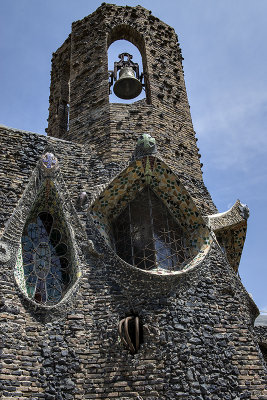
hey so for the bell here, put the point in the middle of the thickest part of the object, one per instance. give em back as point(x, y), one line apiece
point(127, 86)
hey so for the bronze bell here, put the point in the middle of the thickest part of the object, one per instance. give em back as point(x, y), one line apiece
point(127, 86)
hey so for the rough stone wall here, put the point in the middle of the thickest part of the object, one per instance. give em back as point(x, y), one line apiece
point(59, 96)
point(20, 151)
point(108, 127)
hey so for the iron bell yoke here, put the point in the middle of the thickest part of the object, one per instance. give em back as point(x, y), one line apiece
point(129, 85)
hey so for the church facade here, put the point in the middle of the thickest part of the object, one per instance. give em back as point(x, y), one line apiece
point(119, 278)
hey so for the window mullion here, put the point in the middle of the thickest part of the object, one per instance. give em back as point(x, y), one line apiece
point(168, 245)
point(131, 233)
point(152, 226)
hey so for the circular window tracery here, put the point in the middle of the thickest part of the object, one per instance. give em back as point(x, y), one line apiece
point(45, 260)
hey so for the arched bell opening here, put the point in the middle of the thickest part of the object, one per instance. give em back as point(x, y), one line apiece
point(128, 78)
point(46, 265)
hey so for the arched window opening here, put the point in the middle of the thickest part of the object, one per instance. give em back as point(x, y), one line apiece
point(147, 236)
point(132, 77)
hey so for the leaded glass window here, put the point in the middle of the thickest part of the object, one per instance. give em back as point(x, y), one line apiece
point(45, 257)
point(147, 236)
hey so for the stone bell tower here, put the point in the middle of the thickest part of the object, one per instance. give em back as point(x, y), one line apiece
point(80, 109)
point(118, 276)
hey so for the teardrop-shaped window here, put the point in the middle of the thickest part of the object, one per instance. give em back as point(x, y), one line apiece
point(147, 236)
point(46, 255)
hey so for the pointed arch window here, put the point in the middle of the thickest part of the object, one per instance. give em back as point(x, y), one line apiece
point(147, 236)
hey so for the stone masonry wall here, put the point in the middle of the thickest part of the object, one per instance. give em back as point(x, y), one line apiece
point(20, 151)
point(59, 97)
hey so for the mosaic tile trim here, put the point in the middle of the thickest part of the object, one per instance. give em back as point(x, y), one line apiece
point(231, 217)
point(19, 271)
point(152, 171)
point(232, 242)
point(230, 229)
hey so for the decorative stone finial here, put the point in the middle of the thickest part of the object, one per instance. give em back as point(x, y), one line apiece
point(146, 145)
point(49, 163)
point(82, 200)
point(244, 211)
point(4, 252)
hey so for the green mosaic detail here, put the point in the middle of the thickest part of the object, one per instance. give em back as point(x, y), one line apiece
point(232, 240)
point(19, 271)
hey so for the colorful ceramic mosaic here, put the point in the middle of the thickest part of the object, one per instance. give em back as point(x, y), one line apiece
point(230, 228)
point(232, 241)
point(46, 265)
point(153, 172)
point(19, 271)
point(146, 145)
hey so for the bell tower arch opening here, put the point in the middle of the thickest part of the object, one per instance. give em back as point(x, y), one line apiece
point(127, 76)
point(124, 41)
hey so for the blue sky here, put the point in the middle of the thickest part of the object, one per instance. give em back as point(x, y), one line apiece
point(225, 64)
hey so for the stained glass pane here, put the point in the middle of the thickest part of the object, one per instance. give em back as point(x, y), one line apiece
point(27, 244)
point(55, 237)
point(147, 236)
point(30, 284)
point(47, 273)
point(65, 278)
point(64, 262)
point(33, 233)
point(27, 257)
point(42, 260)
point(40, 291)
point(61, 249)
point(46, 220)
point(28, 269)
